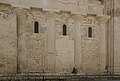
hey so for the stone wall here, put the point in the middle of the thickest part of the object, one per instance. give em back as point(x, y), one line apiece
point(50, 50)
point(64, 44)
point(90, 46)
point(116, 36)
point(74, 6)
point(8, 40)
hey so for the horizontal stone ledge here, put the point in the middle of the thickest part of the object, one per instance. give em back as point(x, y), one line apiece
point(20, 6)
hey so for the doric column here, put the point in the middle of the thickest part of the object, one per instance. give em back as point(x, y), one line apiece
point(50, 41)
point(21, 43)
point(78, 54)
point(103, 42)
point(50, 31)
point(21, 19)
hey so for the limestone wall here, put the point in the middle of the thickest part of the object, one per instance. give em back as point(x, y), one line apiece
point(116, 36)
point(50, 50)
point(74, 6)
point(116, 45)
point(64, 44)
point(8, 40)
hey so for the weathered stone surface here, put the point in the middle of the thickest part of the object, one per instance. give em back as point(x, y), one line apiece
point(8, 40)
point(49, 50)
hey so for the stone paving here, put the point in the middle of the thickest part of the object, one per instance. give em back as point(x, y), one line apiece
point(57, 77)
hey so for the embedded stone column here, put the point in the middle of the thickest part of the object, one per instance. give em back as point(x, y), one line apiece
point(103, 42)
point(8, 43)
point(50, 41)
point(21, 43)
point(50, 31)
point(78, 54)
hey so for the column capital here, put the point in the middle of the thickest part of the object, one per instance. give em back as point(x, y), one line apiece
point(103, 19)
point(19, 11)
point(78, 17)
point(50, 14)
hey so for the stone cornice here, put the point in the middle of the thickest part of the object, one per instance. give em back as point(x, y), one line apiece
point(68, 1)
point(59, 5)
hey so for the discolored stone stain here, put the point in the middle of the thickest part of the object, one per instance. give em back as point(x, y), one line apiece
point(2, 65)
point(13, 43)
